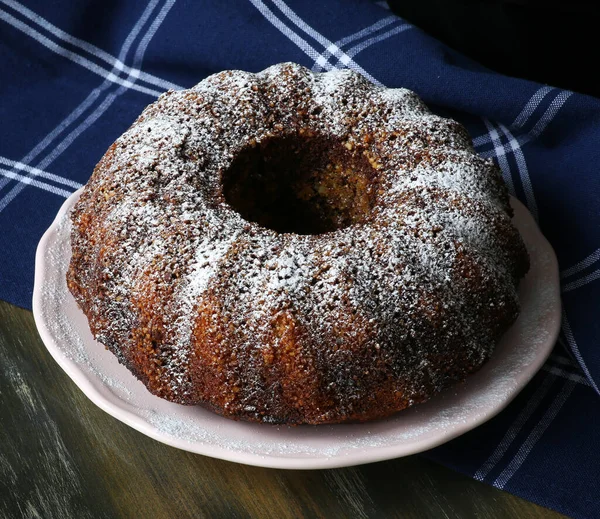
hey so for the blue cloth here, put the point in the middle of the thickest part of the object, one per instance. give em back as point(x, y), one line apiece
point(76, 74)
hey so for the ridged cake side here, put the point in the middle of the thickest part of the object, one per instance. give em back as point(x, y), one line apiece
point(206, 307)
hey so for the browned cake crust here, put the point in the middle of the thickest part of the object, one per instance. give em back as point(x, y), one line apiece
point(290, 247)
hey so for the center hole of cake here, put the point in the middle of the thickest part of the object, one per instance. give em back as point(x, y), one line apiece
point(301, 184)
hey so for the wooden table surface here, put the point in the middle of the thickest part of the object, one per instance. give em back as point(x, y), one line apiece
point(62, 457)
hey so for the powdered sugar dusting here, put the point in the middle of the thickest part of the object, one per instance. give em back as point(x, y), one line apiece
point(520, 353)
point(207, 257)
point(430, 276)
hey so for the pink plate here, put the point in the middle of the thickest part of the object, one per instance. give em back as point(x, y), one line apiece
point(522, 351)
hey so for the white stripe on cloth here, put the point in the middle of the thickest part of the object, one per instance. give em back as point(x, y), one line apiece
point(504, 166)
point(26, 180)
point(537, 130)
point(79, 110)
point(94, 94)
point(531, 106)
point(569, 376)
point(522, 118)
point(285, 30)
point(568, 333)
point(568, 362)
point(384, 22)
point(143, 46)
point(581, 282)
point(68, 140)
point(549, 115)
point(353, 51)
point(515, 428)
point(110, 98)
point(91, 49)
point(523, 171)
point(582, 265)
point(564, 360)
point(302, 25)
point(535, 435)
point(39, 173)
point(73, 116)
point(73, 134)
point(80, 60)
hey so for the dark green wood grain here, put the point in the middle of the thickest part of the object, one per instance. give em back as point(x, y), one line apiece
point(61, 456)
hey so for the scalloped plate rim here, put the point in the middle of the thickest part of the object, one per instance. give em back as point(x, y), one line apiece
point(357, 457)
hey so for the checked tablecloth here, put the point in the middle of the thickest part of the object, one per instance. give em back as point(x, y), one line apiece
point(74, 75)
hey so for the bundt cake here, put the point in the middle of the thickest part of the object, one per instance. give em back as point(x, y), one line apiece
point(299, 248)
